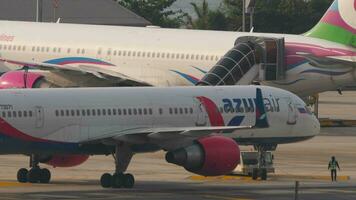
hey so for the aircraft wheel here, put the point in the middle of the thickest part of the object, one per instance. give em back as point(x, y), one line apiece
point(22, 175)
point(129, 181)
point(106, 180)
point(254, 173)
point(117, 181)
point(264, 174)
point(45, 176)
point(34, 175)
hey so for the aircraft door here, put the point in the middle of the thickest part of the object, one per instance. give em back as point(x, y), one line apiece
point(201, 114)
point(292, 112)
point(39, 114)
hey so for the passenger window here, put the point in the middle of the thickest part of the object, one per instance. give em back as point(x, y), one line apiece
point(67, 113)
point(88, 112)
point(78, 113)
point(134, 53)
point(186, 110)
point(191, 110)
point(135, 111)
point(145, 111)
point(150, 111)
point(72, 113)
point(68, 50)
point(124, 111)
point(83, 51)
point(143, 54)
point(109, 111)
point(153, 54)
point(115, 52)
point(19, 48)
point(160, 111)
point(114, 111)
point(25, 113)
point(129, 53)
point(47, 49)
point(14, 113)
point(181, 110)
point(57, 113)
point(3, 114)
point(170, 111)
point(24, 48)
point(98, 112)
point(104, 112)
point(129, 111)
point(19, 113)
point(93, 112)
point(140, 111)
point(9, 114)
point(119, 111)
point(163, 55)
point(119, 53)
point(62, 113)
point(83, 112)
point(175, 110)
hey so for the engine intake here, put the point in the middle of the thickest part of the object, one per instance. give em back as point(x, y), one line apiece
point(21, 79)
point(210, 156)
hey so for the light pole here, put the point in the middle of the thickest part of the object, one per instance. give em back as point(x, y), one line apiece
point(39, 8)
point(243, 15)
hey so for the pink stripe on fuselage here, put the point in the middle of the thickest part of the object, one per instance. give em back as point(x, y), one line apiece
point(8, 130)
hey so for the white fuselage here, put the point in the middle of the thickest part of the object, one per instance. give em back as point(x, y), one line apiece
point(162, 57)
point(75, 116)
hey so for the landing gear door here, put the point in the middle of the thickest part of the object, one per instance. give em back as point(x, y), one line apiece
point(39, 114)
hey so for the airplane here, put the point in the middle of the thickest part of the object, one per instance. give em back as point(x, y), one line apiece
point(70, 55)
point(200, 128)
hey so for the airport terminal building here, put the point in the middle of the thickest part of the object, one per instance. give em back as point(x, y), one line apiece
point(103, 12)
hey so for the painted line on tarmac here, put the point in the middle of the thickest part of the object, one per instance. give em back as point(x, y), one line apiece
point(273, 177)
point(13, 184)
point(225, 197)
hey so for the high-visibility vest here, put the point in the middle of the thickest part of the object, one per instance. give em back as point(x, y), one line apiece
point(333, 165)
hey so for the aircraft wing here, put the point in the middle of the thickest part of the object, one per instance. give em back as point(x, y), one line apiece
point(167, 136)
point(86, 72)
point(154, 135)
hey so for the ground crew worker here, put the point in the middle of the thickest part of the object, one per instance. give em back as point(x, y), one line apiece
point(333, 164)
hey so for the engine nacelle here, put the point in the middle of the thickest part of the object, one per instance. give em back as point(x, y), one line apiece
point(64, 160)
point(210, 156)
point(16, 79)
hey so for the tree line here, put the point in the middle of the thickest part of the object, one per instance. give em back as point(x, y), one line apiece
point(274, 16)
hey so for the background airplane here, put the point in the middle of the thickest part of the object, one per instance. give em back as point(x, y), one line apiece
point(199, 127)
point(85, 55)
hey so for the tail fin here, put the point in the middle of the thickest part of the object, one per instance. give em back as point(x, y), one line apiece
point(338, 23)
point(261, 115)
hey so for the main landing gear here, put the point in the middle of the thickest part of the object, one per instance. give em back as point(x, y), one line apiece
point(261, 170)
point(119, 179)
point(35, 174)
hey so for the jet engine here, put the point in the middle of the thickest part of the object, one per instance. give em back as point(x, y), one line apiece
point(64, 160)
point(210, 156)
point(21, 79)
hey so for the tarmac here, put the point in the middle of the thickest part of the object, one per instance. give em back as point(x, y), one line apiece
point(305, 162)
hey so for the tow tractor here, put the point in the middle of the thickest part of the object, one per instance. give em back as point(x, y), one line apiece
point(249, 164)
